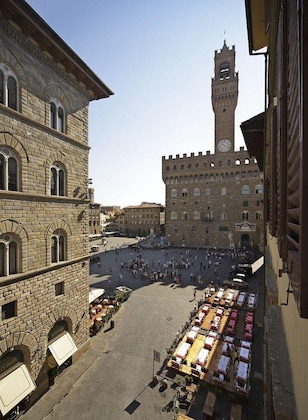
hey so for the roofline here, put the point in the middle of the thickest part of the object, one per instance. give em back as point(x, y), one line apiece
point(33, 26)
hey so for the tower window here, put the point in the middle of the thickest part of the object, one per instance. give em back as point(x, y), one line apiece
point(224, 70)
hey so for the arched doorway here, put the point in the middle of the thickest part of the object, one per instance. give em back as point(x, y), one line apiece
point(16, 384)
point(245, 243)
point(61, 347)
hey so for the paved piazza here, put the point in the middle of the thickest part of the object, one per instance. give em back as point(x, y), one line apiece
point(117, 383)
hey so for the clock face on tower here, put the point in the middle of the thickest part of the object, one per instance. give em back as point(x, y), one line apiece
point(224, 145)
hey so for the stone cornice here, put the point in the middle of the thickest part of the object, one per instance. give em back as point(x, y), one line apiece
point(20, 15)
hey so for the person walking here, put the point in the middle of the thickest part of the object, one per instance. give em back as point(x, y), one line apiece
point(194, 294)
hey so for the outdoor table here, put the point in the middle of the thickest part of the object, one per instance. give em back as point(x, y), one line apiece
point(246, 344)
point(242, 372)
point(219, 312)
point(244, 354)
point(223, 364)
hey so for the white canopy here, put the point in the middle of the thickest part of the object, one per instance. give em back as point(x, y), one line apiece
point(14, 388)
point(95, 293)
point(62, 348)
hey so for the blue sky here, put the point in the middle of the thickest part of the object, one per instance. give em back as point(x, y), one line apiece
point(157, 56)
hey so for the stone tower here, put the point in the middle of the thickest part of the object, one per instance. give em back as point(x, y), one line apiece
point(224, 98)
point(216, 200)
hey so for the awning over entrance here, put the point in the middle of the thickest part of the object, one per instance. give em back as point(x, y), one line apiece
point(14, 388)
point(257, 264)
point(95, 293)
point(62, 348)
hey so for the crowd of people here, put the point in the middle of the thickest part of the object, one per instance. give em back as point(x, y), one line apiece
point(200, 267)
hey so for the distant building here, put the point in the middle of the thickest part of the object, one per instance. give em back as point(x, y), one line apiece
point(110, 219)
point(110, 209)
point(95, 227)
point(143, 219)
point(216, 200)
point(45, 90)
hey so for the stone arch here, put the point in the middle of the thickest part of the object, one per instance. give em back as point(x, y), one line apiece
point(19, 339)
point(9, 225)
point(55, 225)
point(56, 157)
point(7, 57)
point(9, 140)
point(68, 313)
point(54, 91)
point(58, 224)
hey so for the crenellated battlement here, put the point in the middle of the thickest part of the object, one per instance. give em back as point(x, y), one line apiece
point(201, 155)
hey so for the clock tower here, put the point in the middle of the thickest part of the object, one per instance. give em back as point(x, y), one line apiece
point(224, 98)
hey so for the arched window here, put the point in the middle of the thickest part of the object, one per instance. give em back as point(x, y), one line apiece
point(57, 179)
point(245, 189)
point(57, 115)
point(58, 246)
point(173, 215)
point(184, 192)
point(9, 170)
point(245, 215)
point(196, 192)
point(9, 255)
point(173, 193)
point(196, 215)
point(184, 215)
point(259, 189)
point(223, 216)
point(8, 87)
point(207, 191)
point(223, 191)
point(259, 215)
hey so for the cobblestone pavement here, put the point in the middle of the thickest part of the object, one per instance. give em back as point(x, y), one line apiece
point(114, 379)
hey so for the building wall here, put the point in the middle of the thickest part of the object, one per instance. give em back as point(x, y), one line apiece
point(142, 219)
point(293, 328)
point(31, 214)
point(219, 205)
point(278, 30)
